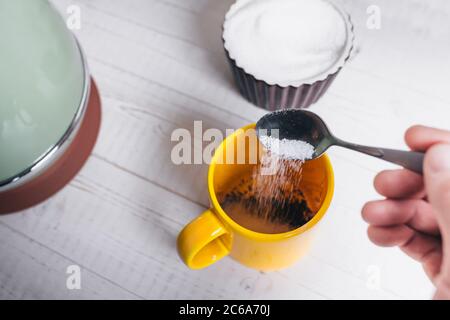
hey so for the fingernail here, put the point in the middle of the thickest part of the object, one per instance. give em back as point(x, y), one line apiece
point(437, 158)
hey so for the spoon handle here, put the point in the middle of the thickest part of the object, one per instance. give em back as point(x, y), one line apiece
point(411, 160)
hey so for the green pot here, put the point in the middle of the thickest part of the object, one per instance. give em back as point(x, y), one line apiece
point(44, 88)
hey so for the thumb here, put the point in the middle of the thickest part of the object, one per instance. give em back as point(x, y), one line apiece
point(437, 183)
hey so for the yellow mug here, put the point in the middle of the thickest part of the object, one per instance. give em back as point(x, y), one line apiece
point(214, 235)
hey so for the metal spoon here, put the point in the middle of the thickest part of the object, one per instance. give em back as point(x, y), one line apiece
point(294, 124)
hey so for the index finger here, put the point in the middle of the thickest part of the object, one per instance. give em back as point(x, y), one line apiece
point(399, 183)
point(420, 138)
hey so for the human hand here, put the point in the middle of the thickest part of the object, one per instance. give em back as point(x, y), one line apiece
point(415, 216)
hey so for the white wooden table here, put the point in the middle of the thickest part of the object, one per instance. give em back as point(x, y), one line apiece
point(160, 66)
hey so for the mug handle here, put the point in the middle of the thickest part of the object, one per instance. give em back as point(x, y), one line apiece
point(200, 243)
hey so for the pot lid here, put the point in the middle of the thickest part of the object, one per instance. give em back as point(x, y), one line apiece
point(41, 83)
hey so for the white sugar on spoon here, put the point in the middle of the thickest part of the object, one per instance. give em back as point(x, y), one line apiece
point(295, 124)
point(288, 149)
